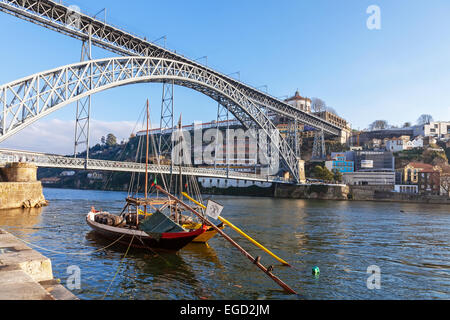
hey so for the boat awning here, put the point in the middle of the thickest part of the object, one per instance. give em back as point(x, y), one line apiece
point(158, 222)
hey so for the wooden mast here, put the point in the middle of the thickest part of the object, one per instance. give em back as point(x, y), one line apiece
point(181, 137)
point(146, 161)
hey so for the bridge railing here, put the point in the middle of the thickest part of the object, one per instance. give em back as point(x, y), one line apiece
point(55, 161)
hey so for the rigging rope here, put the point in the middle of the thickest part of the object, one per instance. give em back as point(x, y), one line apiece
point(69, 253)
point(118, 158)
point(118, 268)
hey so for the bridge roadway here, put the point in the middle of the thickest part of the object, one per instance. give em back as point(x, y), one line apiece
point(57, 161)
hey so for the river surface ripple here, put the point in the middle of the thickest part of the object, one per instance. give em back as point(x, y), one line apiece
point(408, 242)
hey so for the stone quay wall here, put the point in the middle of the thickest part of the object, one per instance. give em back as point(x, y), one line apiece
point(25, 274)
point(19, 187)
point(324, 192)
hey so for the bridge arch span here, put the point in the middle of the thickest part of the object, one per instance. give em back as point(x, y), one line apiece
point(31, 98)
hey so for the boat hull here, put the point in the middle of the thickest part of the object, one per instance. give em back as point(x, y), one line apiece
point(208, 234)
point(166, 241)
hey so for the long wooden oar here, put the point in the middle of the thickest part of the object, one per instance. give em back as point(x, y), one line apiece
point(242, 233)
point(267, 271)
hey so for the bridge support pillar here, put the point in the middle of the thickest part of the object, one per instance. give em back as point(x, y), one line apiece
point(20, 188)
point(222, 115)
point(319, 152)
point(83, 112)
point(166, 121)
point(301, 171)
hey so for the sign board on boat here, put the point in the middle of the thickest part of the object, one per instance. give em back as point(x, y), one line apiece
point(213, 209)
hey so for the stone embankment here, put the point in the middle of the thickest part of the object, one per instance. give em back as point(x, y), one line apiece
point(25, 274)
point(19, 187)
point(354, 193)
point(387, 194)
point(324, 192)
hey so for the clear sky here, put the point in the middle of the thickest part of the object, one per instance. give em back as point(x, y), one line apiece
point(323, 48)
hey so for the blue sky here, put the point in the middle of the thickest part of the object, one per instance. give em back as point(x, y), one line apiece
point(322, 48)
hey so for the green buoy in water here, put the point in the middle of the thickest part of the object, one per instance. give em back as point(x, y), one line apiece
point(315, 271)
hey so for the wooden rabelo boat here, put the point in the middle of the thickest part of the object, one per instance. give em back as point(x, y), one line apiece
point(164, 222)
point(147, 231)
point(153, 222)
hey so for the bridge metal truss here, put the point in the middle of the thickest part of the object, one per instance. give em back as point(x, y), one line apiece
point(27, 100)
point(56, 161)
point(63, 19)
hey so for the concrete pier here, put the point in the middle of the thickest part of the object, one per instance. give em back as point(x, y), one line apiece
point(19, 187)
point(25, 274)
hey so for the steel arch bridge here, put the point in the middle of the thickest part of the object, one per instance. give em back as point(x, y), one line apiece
point(29, 99)
point(60, 18)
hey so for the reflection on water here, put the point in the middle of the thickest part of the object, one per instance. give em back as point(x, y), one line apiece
point(21, 220)
point(409, 243)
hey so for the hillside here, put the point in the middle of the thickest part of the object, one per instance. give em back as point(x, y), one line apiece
point(119, 181)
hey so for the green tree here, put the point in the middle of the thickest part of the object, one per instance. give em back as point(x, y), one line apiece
point(323, 173)
point(111, 140)
point(434, 157)
point(318, 172)
point(337, 175)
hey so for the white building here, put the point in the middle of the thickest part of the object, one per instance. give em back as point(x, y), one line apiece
point(408, 188)
point(436, 129)
point(415, 143)
point(95, 176)
point(396, 145)
point(402, 143)
point(299, 102)
point(369, 178)
point(67, 173)
point(227, 183)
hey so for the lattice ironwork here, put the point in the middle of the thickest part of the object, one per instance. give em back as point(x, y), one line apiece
point(55, 161)
point(319, 151)
point(166, 121)
point(61, 18)
point(27, 100)
point(83, 112)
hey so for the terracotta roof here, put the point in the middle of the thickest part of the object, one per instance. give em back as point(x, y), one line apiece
point(429, 171)
point(297, 96)
point(420, 165)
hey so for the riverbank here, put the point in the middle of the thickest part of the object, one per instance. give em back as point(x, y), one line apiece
point(342, 238)
point(384, 193)
point(318, 192)
point(25, 274)
point(321, 192)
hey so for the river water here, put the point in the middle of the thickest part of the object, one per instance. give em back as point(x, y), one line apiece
point(409, 243)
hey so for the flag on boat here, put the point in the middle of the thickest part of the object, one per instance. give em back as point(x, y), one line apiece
point(213, 209)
